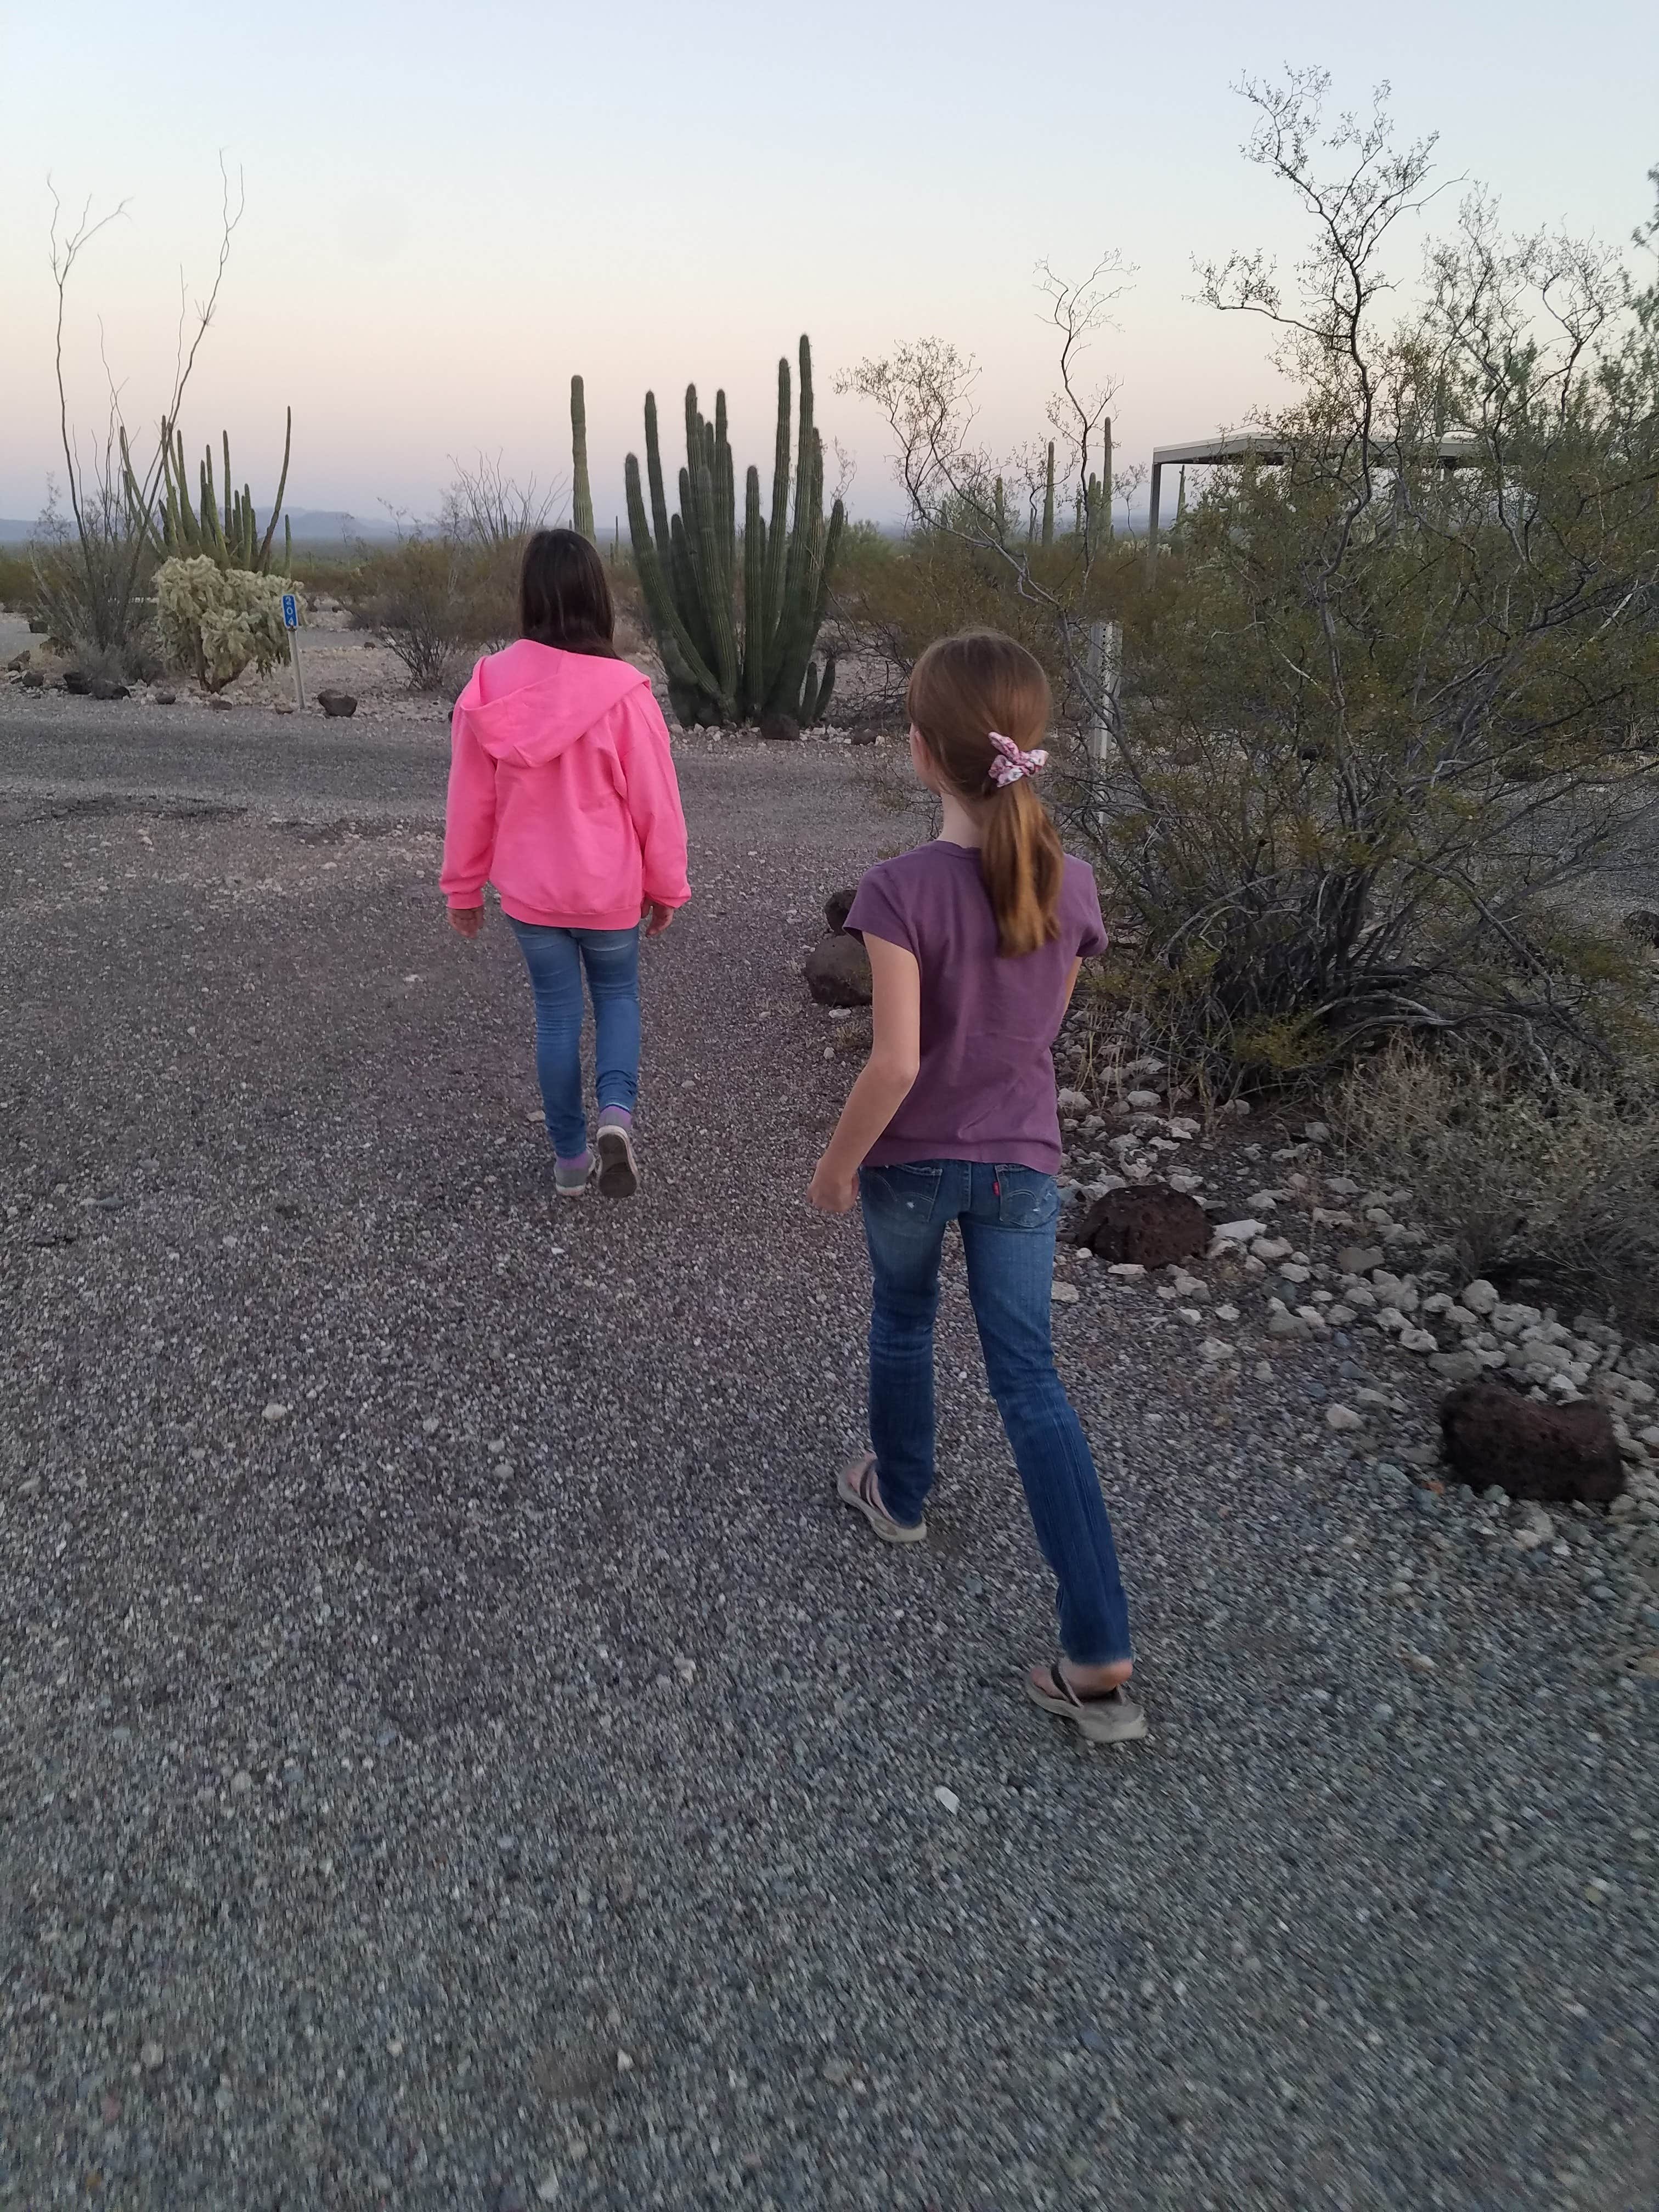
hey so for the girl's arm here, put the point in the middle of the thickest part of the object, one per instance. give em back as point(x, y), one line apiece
point(653, 799)
point(885, 1083)
point(469, 818)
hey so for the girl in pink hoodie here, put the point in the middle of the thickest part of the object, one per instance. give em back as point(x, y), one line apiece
point(563, 794)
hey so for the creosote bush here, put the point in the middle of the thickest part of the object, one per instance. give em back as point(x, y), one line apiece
point(1552, 1190)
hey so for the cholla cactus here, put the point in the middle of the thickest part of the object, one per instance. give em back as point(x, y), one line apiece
point(214, 621)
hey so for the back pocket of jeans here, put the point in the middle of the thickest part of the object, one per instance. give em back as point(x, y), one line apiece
point(1027, 1199)
point(908, 1193)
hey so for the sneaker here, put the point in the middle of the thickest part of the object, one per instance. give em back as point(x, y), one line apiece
point(619, 1168)
point(572, 1177)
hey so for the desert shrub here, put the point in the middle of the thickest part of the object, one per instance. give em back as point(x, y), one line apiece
point(95, 585)
point(1394, 695)
point(215, 621)
point(1554, 1188)
point(432, 603)
point(18, 590)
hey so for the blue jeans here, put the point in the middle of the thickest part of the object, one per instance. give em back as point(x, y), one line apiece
point(1006, 1216)
point(556, 959)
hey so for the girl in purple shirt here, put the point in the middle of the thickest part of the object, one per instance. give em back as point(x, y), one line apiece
point(975, 945)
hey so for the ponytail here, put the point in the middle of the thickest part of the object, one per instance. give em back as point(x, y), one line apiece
point(961, 690)
point(1023, 867)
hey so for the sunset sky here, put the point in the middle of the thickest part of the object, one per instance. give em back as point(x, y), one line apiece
point(451, 209)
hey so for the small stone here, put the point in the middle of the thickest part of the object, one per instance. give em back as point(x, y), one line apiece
point(240, 1783)
point(1287, 1327)
point(1342, 1417)
point(1238, 1232)
point(1064, 1294)
point(1127, 1270)
point(948, 1799)
point(1480, 1297)
point(150, 2055)
point(1418, 1339)
point(624, 2062)
point(1358, 1259)
point(1318, 1133)
point(395, 2047)
point(1270, 1249)
point(547, 2189)
point(1215, 1350)
point(275, 1411)
point(837, 2070)
point(430, 1426)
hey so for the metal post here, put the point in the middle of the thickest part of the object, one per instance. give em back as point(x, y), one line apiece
point(298, 677)
point(1105, 711)
point(1151, 521)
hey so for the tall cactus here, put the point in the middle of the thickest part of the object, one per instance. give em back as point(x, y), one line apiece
point(691, 565)
point(581, 499)
point(229, 534)
point(1048, 498)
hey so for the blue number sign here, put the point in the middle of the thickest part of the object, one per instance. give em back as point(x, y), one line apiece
point(291, 611)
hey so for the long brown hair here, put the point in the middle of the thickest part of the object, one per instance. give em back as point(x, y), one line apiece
point(564, 594)
point(960, 689)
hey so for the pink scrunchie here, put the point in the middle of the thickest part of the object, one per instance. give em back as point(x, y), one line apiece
point(1011, 765)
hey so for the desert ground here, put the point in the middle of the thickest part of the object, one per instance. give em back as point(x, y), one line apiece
point(453, 1750)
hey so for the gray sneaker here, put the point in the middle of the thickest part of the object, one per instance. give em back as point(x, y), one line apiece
point(572, 1177)
point(619, 1167)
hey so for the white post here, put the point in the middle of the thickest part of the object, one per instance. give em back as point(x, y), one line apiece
point(1105, 684)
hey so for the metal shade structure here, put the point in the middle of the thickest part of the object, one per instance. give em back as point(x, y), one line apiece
point(1259, 445)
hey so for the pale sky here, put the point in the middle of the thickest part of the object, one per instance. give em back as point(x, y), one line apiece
point(450, 208)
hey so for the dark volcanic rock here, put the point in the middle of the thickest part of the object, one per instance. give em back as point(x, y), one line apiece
point(838, 906)
point(1555, 1453)
point(1642, 923)
point(335, 703)
point(1150, 1225)
point(837, 971)
point(780, 729)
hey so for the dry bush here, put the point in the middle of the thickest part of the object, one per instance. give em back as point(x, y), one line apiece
point(427, 601)
point(18, 590)
point(1556, 1188)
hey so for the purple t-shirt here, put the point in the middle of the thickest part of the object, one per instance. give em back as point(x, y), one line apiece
point(986, 1088)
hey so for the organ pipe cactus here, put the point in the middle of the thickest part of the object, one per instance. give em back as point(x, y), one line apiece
point(189, 528)
point(581, 499)
point(694, 568)
point(1048, 498)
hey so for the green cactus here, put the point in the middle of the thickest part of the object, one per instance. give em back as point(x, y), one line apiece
point(690, 567)
point(1048, 498)
point(581, 499)
point(1106, 477)
point(229, 536)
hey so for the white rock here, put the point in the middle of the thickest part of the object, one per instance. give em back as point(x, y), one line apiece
point(1187, 1285)
point(1142, 1102)
point(1263, 1201)
point(1239, 1232)
point(1072, 1101)
point(1418, 1339)
point(1397, 1291)
point(1064, 1294)
point(275, 1411)
point(1228, 1313)
point(1318, 1133)
point(948, 1799)
point(150, 2055)
point(1268, 1249)
point(547, 2189)
point(1342, 1417)
point(1127, 1270)
point(1190, 1313)
point(1340, 1315)
point(624, 2062)
point(1213, 1349)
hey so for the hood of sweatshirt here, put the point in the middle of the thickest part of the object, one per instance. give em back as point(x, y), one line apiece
point(531, 702)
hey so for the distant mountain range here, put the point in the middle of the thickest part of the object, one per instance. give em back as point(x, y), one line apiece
point(312, 525)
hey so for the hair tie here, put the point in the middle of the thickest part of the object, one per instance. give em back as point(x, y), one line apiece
point(1010, 764)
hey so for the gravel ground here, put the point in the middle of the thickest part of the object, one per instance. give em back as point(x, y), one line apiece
point(454, 1753)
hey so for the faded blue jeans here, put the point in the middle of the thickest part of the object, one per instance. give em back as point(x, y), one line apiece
point(556, 959)
point(1006, 1216)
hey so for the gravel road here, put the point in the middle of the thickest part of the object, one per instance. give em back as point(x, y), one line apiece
point(453, 1752)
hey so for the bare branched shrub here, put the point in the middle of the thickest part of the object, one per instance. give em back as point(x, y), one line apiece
point(421, 599)
point(1556, 1189)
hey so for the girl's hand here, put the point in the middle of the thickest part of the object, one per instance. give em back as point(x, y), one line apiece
point(833, 1190)
point(661, 917)
point(468, 920)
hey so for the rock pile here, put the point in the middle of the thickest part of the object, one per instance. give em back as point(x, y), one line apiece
point(837, 968)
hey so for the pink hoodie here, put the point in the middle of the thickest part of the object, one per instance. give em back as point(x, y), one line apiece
point(562, 791)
